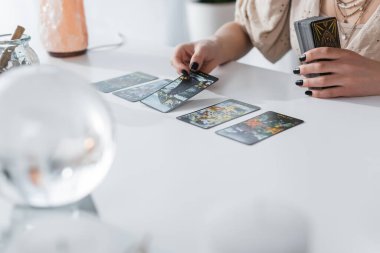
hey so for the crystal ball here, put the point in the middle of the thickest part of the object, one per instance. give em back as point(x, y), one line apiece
point(64, 233)
point(56, 137)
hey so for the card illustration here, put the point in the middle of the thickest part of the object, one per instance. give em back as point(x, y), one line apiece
point(259, 128)
point(142, 91)
point(123, 82)
point(325, 33)
point(217, 114)
point(180, 90)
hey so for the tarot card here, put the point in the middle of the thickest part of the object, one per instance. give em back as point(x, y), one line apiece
point(179, 91)
point(317, 32)
point(218, 114)
point(123, 82)
point(259, 128)
point(142, 91)
point(325, 33)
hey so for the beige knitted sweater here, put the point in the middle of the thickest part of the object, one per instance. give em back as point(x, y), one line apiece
point(269, 24)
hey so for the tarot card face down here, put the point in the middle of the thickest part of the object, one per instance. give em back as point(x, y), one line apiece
point(218, 114)
point(140, 92)
point(259, 128)
point(179, 91)
point(317, 32)
point(123, 82)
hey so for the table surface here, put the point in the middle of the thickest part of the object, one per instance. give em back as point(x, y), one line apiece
point(171, 180)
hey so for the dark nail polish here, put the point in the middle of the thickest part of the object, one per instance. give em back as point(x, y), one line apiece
point(194, 66)
point(297, 71)
point(309, 93)
point(302, 58)
point(184, 72)
point(299, 82)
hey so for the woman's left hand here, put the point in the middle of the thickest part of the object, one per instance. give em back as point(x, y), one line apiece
point(352, 75)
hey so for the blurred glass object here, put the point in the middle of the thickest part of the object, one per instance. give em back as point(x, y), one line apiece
point(57, 137)
point(21, 52)
point(53, 231)
point(63, 27)
point(176, 24)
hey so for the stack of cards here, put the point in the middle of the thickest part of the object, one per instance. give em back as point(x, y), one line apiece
point(317, 32)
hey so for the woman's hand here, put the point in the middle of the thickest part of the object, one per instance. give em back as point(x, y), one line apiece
point(352, 75)
point(229, 43)
point(201, 55)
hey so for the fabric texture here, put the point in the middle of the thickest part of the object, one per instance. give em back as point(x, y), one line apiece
point(270, 26)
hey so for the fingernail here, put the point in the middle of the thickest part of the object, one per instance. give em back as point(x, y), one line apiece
point(309, 93)
point(184, 72)
point(194, 66)
point(297, 71)
point(302, 58)
point(299, 82)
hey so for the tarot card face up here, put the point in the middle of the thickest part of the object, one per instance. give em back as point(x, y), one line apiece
point(179, 91)
point(123, 82)
point(142, 91)
point(259, 128)
point(218, 114)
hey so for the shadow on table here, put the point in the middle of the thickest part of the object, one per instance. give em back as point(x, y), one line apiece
point(197, 104)
point(135, 117)
point(147, 117)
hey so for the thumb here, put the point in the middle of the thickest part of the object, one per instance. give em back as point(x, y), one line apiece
point(197, 59)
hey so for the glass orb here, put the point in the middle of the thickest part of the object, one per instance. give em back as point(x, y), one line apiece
point(57, 137)
point(60, 233)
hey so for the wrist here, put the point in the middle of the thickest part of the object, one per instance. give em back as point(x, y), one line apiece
point(220, 49)
point(377, 77)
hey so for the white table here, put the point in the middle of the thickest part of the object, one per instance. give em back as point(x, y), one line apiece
point(169, 177)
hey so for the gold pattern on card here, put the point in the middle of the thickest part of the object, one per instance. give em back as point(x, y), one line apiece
point(325, 33)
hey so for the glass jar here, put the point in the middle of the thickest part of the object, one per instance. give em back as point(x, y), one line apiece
point(21, 52)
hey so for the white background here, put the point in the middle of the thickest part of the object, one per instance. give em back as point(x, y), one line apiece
point(162, 22)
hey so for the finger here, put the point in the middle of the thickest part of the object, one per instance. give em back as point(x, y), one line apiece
point(325, 53)
point(197, 60)
point(179, 65)
point(208, 67)
point(181, 57)
point(327, 93)
point(321, 81)
point(318, 67)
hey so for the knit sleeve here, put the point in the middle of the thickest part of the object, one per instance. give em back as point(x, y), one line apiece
point(267, 24)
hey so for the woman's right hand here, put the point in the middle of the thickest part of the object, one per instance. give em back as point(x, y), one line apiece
point(203, 55)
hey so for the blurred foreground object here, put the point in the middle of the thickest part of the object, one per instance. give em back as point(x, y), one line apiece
point(64, 232)
point(63, 27)
point(256, 227)
point(205, 17)
point(15, 50)
point(57, 137)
